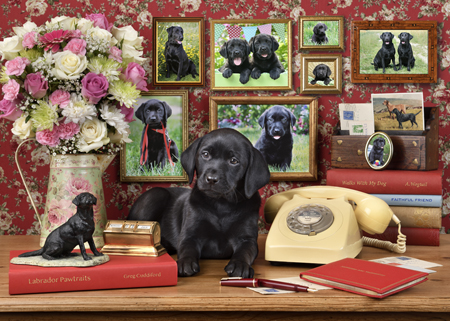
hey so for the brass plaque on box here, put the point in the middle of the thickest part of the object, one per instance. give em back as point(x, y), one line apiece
point(133, 238)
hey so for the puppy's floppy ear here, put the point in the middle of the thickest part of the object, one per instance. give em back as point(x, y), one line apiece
point(262, 119)
point(251, 43)
point(257, 175)
point(223, 50)
point(188, 158)
point(247, 48)
point(315, 71)
point(326, 27)
point(170, 31)
point(391, 35)
point(328, 71)
point(167, 110)
point(139, 113)
point(410, 36)
point(275, 44)
point(293, 118)
point(315, 29)
point(77, 200)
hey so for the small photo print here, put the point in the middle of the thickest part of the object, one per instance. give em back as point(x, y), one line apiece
point(379, 151)
point(321, 32)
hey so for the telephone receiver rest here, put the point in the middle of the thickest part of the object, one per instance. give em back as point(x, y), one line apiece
point(373, 214)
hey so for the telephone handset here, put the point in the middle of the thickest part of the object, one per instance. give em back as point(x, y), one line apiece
point(321, 224)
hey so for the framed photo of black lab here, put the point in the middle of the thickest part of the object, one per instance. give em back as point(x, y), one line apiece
point(251, 54)
point(394, 52)
point(178, 51)
point(321, 33)
point(321, 74)
point(283, 129)
point(158, 136)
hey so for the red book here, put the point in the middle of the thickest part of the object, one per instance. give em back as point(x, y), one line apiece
point(119, 272)
point(387, 181)
point(364, 277)
point(414, 235)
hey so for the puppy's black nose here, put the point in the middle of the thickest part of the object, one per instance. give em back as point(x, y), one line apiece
point(211, 179)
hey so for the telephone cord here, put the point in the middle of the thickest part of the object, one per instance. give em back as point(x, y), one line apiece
point(400, 247)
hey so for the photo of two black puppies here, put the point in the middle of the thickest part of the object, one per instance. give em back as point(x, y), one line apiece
point(387, 54)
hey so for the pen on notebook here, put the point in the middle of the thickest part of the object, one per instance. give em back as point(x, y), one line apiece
point(255, 283)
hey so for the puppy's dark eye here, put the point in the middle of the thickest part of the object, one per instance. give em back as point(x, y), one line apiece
point(206, 155)
point(234, 161)
point(270, 120)
point(284, 120)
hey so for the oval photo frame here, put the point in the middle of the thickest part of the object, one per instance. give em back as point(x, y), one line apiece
point(379, 150)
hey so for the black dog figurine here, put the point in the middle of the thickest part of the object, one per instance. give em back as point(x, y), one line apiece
point(236, 52)
point(275, 142)
point(377, 152)
point(319, 36)
point(218, 217)
point(386, 53)
point(156, 146)
point(177, 60)
point(264, 57)
point(405, 117)
point(77, 230)
point(405, 52)
point(321, 73)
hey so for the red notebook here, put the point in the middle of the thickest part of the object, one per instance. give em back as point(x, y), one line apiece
point(364, 277)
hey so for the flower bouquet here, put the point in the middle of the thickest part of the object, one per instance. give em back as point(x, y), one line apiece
point(72, 82)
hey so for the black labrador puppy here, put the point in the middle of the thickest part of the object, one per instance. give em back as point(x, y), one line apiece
point(177, 60)
point(377, 151)
point(405, 117)
point(405, 52)
point(77, 230)
point(321, 73)
point(319, 34)
point(218, 217)
point(265, 59)
point(236, 52)
point(275, 142)
point(386, 53)
point(155, 140)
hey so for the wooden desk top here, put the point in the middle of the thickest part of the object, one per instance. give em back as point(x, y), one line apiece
point(203, 292)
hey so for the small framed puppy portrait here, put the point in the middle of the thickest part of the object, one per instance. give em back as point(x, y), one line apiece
point(159, 134)
point(251, 54)
point(379, 150)
point(178, 52)
point(394, 52)
point(321, 74)
point(283, 129)
point(321, 33)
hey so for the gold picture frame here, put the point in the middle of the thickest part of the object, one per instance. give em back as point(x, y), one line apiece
point(244, 114)
point(308, 26)
point(313, 80)
point(131, 169)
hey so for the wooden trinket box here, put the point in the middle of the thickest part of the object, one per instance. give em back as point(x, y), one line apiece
point(413, 150)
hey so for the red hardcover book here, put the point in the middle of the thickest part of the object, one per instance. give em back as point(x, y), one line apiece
point(387, 181)
point(414, 235)
point(364, 277)
point(119, 272)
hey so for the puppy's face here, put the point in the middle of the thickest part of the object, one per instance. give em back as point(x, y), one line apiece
point(378, 144)
point(154, 112)
point(85, 200)
point(405, 37)
point(277, 122)
point(387, 37)
point(175, 34)
point(263, 46)
point(235, 50)
point(320, 29)
point(322, 71)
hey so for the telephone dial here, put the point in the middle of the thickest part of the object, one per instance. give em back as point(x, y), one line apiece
point(322, 224)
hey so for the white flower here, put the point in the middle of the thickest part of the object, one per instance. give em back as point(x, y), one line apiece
point(190, 5)
point(23, 129)
point(10, 47)
point(27, 27)
point(36, 7)
point(118, 138)
point(84, 25)
point(129, 36)
point(78, 110)
point(130, 54)
point(94, 134)
point(101, 35)
point(68, 65)
point(446, 8)
point(63, 22)
point(145, 18)
point(114, 117)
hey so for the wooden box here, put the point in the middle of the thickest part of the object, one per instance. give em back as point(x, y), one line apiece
point(418, 151)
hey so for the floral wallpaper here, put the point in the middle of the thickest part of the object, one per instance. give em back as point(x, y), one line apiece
point(16, 213)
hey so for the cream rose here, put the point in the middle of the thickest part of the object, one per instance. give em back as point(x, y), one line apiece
point(118, 138)
point(68, 65)
point(129, 36)
point(94, 134)
point(10, 47)
point(130, 54)
point(84, 25)
point(23, 129)
point(63, 22)
point(102, 35)
point(27, 27)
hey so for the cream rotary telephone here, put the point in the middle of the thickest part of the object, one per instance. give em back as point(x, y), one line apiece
point(322, 224)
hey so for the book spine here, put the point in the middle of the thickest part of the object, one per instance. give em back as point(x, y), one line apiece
point(411, 200)
point(387, 181)
point(424, 217)
point(414, 235)
point(90, 278)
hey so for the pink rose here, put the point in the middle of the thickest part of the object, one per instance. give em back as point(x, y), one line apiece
point(16, 67)
point(36, 85)
point(67, 131)
point(48, 137)
point(100, 21)
point(95, 87)
point(9, 108)
point(128, 112)
point(115, 53)
point(59, 212)
point(11, 89)
point(77, 46)
point(29, 39)
point(60, 97)
point(77, 185)
point(135, 74)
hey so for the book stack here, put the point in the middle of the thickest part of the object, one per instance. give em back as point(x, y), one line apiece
point(415, 197)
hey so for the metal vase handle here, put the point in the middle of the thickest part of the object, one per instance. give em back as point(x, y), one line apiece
point(23, 179)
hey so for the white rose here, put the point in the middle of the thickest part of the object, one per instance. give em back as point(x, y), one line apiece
point(130, 54)
point(36, 7)
point(10, 47)
point(22, 129)
point(102, 35)
point(94, 134)
point(84, 25)
point(118, 138)
point(27, 27)
point(63, 22)
point(68, 65)
point(129, 36)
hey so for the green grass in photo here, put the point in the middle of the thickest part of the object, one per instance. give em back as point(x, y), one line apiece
point(332, 33)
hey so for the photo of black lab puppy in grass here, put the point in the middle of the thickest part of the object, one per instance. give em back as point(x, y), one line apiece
point(264, 58)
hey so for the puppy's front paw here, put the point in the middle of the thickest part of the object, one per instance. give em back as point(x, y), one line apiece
point(274, 74)
point(239, 269)
point(188, 266)
point(256, 73)
point(227, 73)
